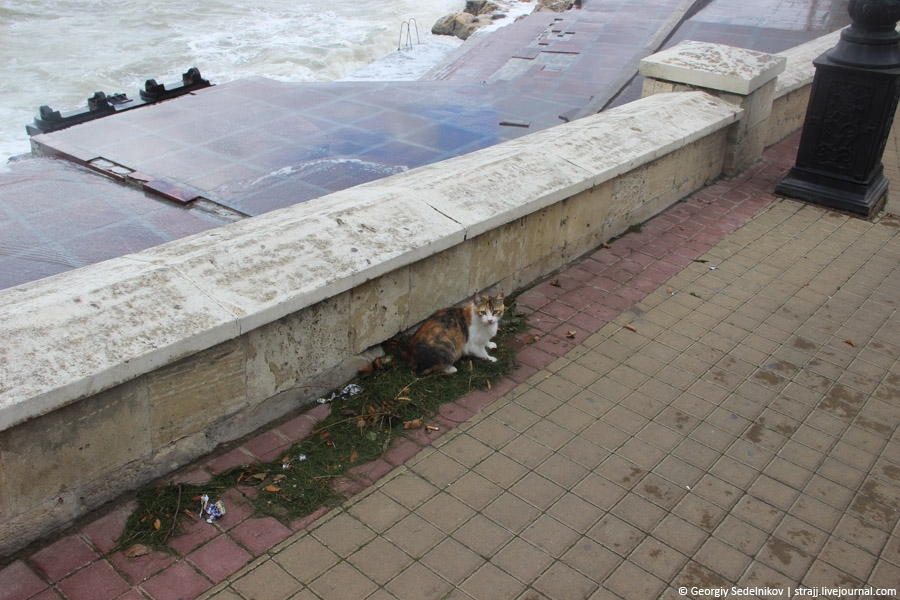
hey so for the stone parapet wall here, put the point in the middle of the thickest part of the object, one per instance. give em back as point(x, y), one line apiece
point(120, 372)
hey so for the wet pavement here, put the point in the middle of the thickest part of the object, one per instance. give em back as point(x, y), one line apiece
point(255, 145)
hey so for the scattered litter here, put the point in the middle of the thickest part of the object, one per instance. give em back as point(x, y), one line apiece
point(687, 487)
point(214, 510)
point(287, 461)
point(348, 392)
point(432, 428)
point(701, 260)
point(414, 424)
point(712, 268)
point(850, 343)
point(630, 327)
point(571, 334)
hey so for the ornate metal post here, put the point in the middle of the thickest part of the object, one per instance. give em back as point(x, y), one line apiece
point(851, 109)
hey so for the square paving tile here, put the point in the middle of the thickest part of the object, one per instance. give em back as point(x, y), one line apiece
point(99, 580)
point(219, 558)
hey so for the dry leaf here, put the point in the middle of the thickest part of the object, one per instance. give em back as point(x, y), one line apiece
point(489, 387)
point(630, 327)
point(670, 291)
point(605, 244)
point(414, 424)
point(279, 477)
point(137, 550)
point(354, 456)
point(555, 283)
point(850, 342)
point(260, 476)
point(272, 488)
point(157, 524)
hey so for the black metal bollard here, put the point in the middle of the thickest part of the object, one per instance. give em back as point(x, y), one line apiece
point(851, 109)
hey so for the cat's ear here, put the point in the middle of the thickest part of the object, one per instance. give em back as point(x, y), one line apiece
point(477, 299)
point(499, 296)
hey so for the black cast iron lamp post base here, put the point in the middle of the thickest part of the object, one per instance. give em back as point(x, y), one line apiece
point(851, 109)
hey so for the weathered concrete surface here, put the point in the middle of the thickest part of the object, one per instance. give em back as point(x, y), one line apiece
point(714, 66)
point(83, 331)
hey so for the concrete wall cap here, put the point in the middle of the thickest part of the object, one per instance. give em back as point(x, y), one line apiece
point(714, 66)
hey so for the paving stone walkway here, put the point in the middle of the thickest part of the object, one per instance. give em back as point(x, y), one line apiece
point(725, 414)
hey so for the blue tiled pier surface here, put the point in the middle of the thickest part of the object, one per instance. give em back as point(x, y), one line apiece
point(147, 176)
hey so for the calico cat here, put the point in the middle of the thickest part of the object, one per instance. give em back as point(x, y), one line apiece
point(450, 333)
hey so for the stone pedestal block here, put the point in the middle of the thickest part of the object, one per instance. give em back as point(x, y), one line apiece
point(739, 76)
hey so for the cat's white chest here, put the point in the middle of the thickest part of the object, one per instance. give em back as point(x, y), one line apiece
point(479, 341)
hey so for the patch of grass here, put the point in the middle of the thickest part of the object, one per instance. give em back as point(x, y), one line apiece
point(359, 429)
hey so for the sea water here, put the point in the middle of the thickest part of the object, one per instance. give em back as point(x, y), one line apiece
point(59, 52)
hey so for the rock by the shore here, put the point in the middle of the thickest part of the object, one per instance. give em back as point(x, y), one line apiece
point(462, 25)
point(554, 5)
point(480, 7)
point(477, 13)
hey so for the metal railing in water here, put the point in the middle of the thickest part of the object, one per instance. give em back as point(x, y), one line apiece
point(407, 27)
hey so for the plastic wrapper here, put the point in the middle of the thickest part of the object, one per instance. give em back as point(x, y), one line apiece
point(349, 391)
point(214, 510)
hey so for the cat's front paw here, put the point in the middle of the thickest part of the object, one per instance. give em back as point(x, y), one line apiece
point(491, 358)
point(491, 346)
